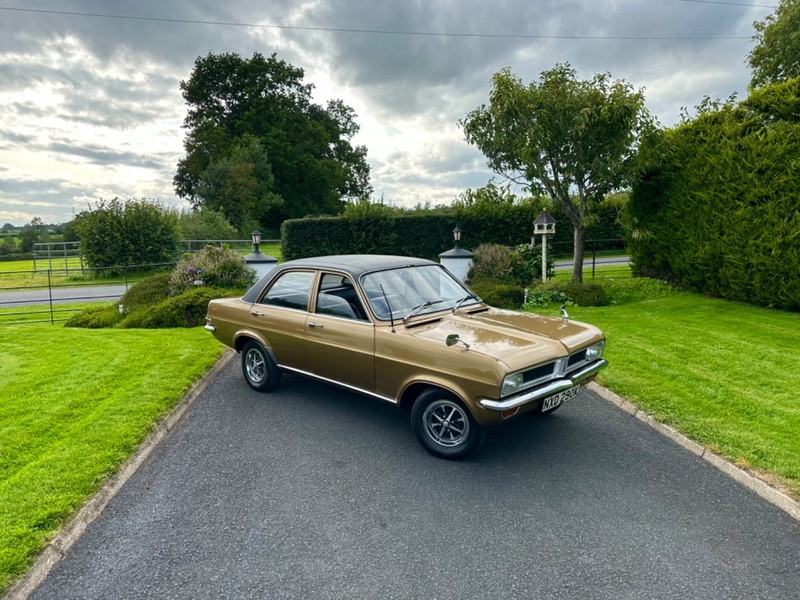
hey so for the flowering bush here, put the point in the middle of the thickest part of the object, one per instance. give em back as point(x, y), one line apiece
point(211, 267)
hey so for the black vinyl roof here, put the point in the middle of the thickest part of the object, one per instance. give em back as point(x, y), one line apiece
point(354, 265)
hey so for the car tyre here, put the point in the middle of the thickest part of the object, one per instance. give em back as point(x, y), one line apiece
point(258, 368)
point(444, 426)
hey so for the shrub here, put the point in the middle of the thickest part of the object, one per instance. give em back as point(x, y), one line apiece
point(491, 261)
point(96, 317)
point(518, 266)
point(526, 264)
point(186, 310)
point(134, 232)
point(586, 294)
point(149, 291)
point(212, 267)
point(544, 294)
point(499, 294)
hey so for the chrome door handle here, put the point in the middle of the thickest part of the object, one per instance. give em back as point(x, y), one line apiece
point(315, 325)
point(255, 313)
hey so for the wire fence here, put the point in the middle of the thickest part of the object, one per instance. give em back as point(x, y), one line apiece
point(50, 296)
point(602, 259)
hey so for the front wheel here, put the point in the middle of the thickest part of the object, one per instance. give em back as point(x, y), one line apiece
point(258, 368)
point(444, 426)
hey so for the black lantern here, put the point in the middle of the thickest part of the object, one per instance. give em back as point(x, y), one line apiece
point(457, 235)
point(256, 237)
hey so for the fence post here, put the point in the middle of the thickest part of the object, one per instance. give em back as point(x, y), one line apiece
point(50, 294)
point(594, 256)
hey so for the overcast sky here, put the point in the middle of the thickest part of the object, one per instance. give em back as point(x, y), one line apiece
point(90, 107)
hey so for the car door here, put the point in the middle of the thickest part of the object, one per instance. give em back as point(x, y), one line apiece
point(340, 338)
point(280, 316)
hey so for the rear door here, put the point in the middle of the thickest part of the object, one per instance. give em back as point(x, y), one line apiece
point(280, 316)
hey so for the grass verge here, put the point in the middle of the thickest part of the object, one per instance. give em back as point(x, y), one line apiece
point(76, 404)
point(723, 373)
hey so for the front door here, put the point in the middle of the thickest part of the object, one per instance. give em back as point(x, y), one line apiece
point(339, 337)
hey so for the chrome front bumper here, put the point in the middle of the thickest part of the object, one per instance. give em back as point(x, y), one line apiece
point(554, 387)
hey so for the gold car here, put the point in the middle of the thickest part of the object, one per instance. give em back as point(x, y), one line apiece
point(405, 331)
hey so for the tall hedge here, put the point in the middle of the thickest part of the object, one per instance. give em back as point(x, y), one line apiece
point(383, 231)
point(134, 232)
point(719, 211)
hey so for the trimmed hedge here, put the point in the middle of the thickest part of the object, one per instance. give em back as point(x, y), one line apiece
point(719, 211)
point(149, 290)
point(96, 317)
point(187, 310)
point(428, 235)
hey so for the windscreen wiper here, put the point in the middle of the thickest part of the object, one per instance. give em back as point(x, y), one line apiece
point(419, 307)
point(464, 299)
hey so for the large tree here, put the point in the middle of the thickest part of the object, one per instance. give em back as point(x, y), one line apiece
point(315, 166)
point(238, 184)
point(572, 139)
point(776, 55)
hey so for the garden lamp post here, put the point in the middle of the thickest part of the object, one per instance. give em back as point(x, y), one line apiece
point(544, 225)
point(457, 260)
point(258, 261)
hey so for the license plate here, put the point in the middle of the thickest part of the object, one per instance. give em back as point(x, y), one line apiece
point(551, 402)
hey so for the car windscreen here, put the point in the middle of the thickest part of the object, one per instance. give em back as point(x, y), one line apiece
point(408, 291)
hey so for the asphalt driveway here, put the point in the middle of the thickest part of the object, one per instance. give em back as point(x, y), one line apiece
point(312, 492)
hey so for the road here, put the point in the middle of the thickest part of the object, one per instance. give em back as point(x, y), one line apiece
point(312, 492)
point(601, 261)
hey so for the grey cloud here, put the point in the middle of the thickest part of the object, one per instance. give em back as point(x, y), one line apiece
point(102, 155)
point(15, 138)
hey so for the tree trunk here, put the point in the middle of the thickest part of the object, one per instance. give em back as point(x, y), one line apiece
point(577, 263)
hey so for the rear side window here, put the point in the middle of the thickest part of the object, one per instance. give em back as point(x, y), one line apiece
point(290, 290)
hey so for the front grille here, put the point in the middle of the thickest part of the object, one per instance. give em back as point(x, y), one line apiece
point(576, 358)
point(538, 372)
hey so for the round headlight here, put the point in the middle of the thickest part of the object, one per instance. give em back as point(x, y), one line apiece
point(511, 384)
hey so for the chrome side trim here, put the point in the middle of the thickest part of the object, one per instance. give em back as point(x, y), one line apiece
point(210, 328)
point(352, 388)
point(551, 388)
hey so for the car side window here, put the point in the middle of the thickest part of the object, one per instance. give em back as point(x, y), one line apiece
point(337, 297)
point(290, 290)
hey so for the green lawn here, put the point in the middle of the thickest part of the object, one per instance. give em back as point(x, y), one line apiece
point(723, 373)
point(76, 403)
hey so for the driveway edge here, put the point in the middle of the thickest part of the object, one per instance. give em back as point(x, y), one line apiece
point(75, 527)
point(768, 493)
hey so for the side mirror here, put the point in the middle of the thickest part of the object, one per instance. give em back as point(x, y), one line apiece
point(453, 339)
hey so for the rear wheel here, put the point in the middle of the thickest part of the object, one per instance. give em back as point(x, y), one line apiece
point(444, 426)
point(258, 368)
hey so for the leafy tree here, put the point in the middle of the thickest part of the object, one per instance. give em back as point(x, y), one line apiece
point(776, 55)
point(238, 185)
point(571, 139)
point(205, 224)
point(8, 246)
point(31, 234)
point(135, 232)
point(70, 231)
point(8, 227)
point(308, 147)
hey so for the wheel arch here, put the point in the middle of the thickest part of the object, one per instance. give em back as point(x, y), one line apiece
point(414, 390)
point(242, 337)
